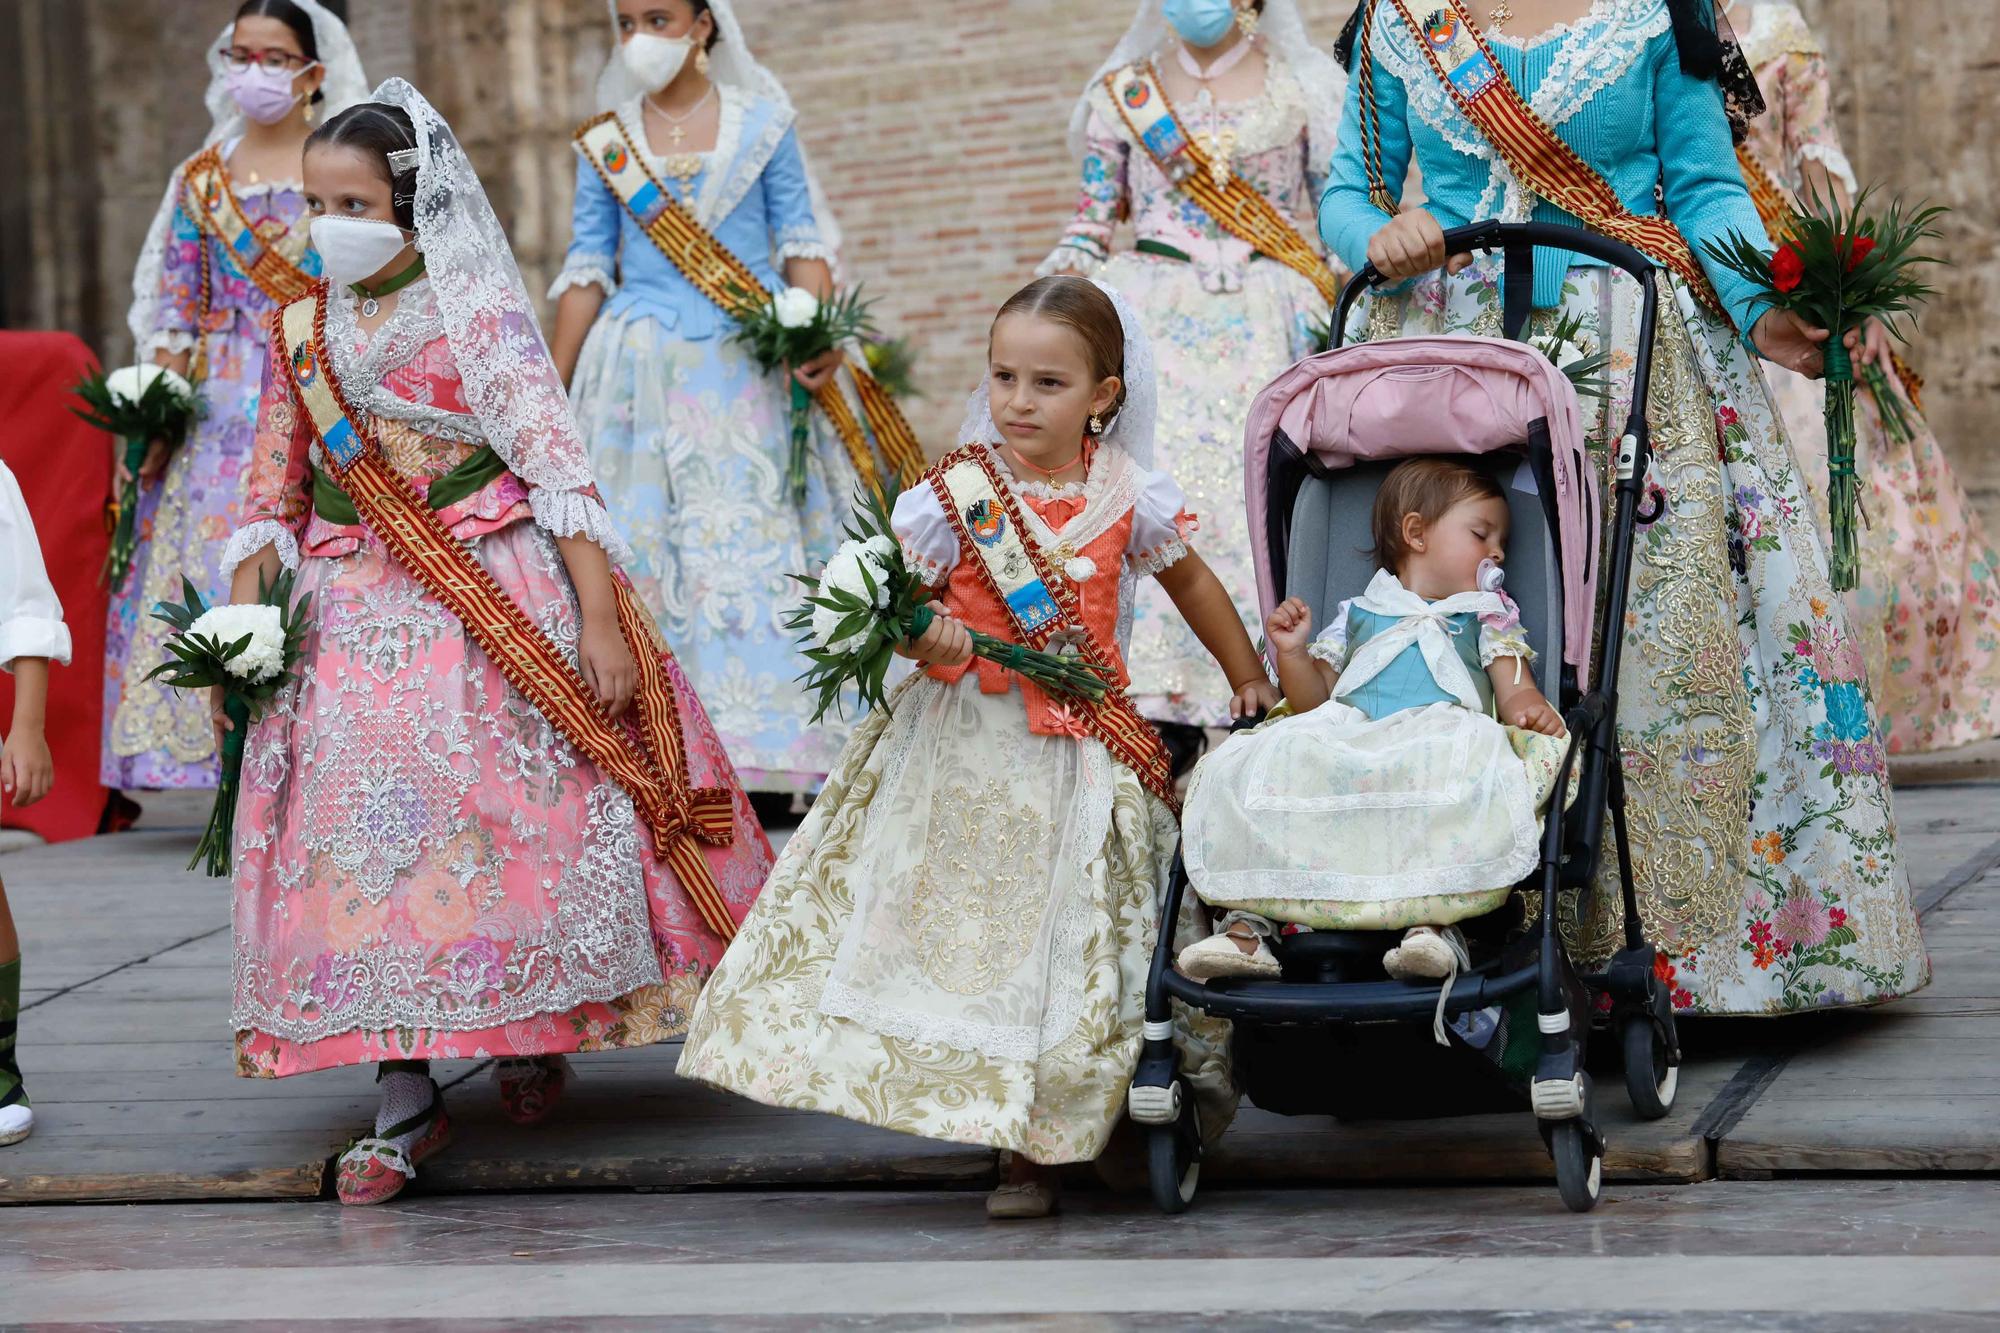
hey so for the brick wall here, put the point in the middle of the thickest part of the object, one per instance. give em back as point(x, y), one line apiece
point(937, 127)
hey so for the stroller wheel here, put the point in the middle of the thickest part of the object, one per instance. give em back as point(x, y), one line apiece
point(1173, 1156)
point(1579, 1166)
point(1649, 1080)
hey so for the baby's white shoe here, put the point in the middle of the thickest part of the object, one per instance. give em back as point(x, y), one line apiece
point(16, 1122)
point(1427, 953)
point(1222, 954)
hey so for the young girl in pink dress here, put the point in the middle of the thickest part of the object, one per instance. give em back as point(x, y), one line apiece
point(956, 940)
point(425, 866)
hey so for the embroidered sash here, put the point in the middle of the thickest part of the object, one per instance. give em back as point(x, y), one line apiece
point(646, 758)
point(983, 512)
point(210, 200)
point(1459, 56)
point(726, 280)
point(1775, 205)
point(1235, 205)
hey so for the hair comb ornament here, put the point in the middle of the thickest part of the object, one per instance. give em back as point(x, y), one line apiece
point(402, 160)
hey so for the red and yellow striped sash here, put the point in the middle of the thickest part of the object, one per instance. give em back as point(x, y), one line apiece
point(646, 757)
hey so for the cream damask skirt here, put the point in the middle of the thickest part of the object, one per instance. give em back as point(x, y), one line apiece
point(955, 942)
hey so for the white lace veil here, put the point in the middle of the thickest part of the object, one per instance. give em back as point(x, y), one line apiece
point(345, 84)
point(1281, 31)
point(510, 382)
point(1132, 429)
point(731, 63)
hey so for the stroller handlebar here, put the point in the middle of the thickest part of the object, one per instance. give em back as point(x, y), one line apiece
point(1494, 234)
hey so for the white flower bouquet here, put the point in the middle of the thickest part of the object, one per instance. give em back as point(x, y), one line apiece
point(868, 599)
point(786, 330)
point(249, 650)
point(1571, 351)
point(139, 404)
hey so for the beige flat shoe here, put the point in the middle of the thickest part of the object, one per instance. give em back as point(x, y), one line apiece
point(1030, 1199)
point(1427, 954)
point(1219, 956)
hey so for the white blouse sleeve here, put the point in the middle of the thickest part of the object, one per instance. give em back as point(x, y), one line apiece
point(31, 623)
point(930, 543)
point(1330, 645)
point(1161, 526)
point(1503, 635)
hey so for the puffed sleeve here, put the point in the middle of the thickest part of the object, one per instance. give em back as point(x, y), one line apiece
point(1348, 219)
point(31, 623)
point(929, 541)
point(1100, 202)
point(1501, 634)
point(177, 318)
point(1161, 526)
point(278, 501)
point(592, 259)
point(1330, 644)
point(788, 205)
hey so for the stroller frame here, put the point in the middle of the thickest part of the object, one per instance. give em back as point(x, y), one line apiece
point(1559, 1092)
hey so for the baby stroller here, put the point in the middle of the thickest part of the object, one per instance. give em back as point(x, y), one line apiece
point(1319, 441)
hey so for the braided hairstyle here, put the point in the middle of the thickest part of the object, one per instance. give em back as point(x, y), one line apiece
point(377, 131)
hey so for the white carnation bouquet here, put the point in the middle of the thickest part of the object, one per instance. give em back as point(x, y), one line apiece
point(248, 649)
point(1570, 350)
point(139, 404)
point(789, 328)
point(868, 600)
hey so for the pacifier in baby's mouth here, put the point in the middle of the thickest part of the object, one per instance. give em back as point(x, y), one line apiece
point(1490, 576)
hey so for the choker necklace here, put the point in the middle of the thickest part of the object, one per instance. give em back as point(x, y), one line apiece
point(1048, 474)
point(1218, 67)
point(371, 301)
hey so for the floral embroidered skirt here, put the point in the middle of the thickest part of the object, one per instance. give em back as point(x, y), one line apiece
point(955, 942)
point(424, 869)
point(1336, 821)
point(1216, 350)
point(1757, 789)
point(1927, 608)
point(156, 736)
point(690, 442)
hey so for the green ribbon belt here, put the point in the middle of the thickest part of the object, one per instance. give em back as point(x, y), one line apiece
point(468, 478)
point(1165, 251)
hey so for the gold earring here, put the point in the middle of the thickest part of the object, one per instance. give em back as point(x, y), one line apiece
point(1246, 19)
point(701, 61)
point(1096, 424)
point(309, 111)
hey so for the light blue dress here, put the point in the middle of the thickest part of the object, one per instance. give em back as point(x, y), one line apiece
point(689, 438)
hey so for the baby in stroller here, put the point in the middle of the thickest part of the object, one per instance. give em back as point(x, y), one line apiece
point(1402, 791)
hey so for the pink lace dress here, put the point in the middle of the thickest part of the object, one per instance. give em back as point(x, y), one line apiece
point(424, 868)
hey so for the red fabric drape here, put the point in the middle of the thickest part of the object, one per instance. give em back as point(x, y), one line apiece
point(64, 467)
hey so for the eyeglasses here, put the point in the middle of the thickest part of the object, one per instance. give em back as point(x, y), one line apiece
point(271, 58)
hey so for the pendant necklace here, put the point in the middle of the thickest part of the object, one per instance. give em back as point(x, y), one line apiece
point(1048, 473)
point(1499, 16)
point(371, 303)
point(1218, 143)
point(683, 167)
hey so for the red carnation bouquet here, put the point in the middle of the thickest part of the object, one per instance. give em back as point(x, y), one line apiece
point(1837, 269)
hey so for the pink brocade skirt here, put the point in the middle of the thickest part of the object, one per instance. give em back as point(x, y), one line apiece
point(425, 869)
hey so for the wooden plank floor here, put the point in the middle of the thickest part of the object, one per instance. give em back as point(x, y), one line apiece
point(126, 1049)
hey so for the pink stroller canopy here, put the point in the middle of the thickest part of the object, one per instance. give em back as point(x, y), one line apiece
point(1451, 394)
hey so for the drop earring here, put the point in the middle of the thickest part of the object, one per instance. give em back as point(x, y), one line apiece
point(701, 61)
point(1246, 19)
point(1096, 424)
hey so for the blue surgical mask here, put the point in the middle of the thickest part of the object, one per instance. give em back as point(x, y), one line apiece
point(1200, 22)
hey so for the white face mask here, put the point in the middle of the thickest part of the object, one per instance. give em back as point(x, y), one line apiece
point(354, 250)
point(654, 61)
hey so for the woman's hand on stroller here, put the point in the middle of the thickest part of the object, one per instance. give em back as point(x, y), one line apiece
point(1783, 337)
point(1253, 697)
point(1412, 242)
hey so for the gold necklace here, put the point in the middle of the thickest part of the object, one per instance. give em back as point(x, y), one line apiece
point(675, 134)
point(1499, 16)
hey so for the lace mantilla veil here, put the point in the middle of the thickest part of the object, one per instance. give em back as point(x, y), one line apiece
point(731, 63)
point(345, 85)
point(1281, 31)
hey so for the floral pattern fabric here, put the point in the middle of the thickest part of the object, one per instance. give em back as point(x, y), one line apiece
point(1757, 791)
point(1927, 608)
point(424, 867)
point(1222, 325)
point(156, 736)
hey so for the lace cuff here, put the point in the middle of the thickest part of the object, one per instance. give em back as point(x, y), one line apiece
point(1073, 254)
point(1502, 635)
point(586, 271)
point(1166, 555)
point(805, 249)
point(1330, 644)
point(171, 341)
point(251, 538)
point(1835, 162)
point(577, 513)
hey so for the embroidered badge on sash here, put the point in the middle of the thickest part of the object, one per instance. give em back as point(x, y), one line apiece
point(987, 523)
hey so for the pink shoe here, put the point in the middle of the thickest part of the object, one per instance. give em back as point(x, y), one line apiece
point(375, 1170)
point(530, 1088)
